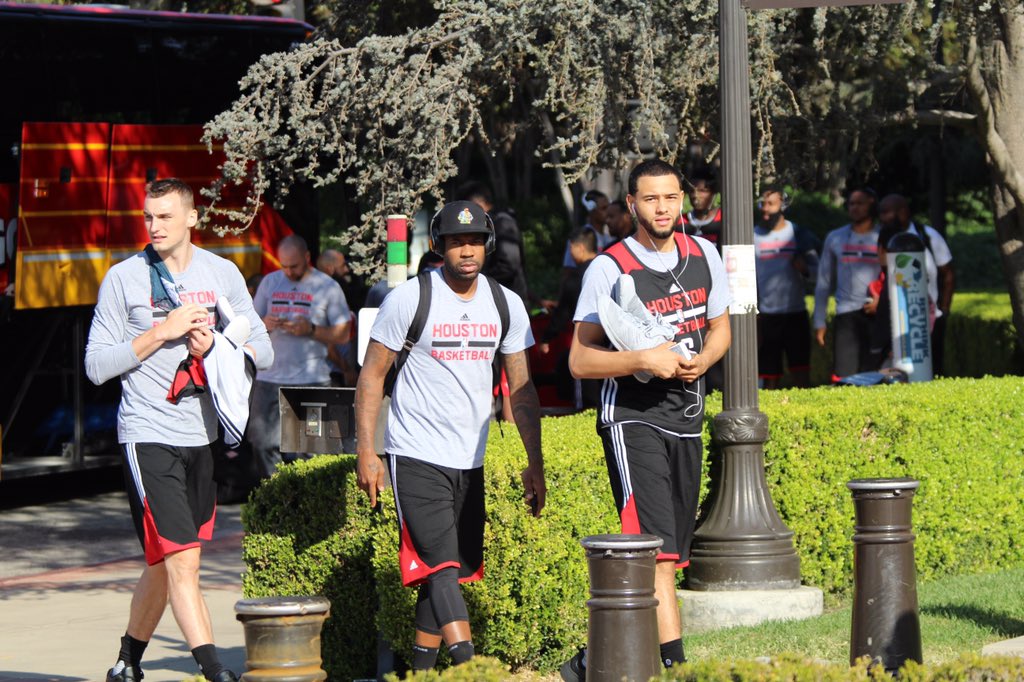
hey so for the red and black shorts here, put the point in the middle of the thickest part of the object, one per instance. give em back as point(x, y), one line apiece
point(172, 494)
point(440, 519)
point(655, 478)
point(781, 334)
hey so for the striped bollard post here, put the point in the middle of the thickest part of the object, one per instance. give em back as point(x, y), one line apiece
point(398, 249)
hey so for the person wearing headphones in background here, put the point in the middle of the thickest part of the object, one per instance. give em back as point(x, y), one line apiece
point(437, 427)
point(848, 264)
point(661, 298)
point(787, 257)
point(620, 221)
point(705, 217)
point(595, 203)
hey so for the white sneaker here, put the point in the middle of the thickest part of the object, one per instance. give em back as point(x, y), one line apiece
point(626, 332)
point(630, 303)
point(236, 328)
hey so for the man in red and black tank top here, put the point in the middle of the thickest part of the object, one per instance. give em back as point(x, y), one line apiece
point(651, 431)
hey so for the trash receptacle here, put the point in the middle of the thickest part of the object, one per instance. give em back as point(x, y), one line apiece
point(282, 638)
point(884, 623)
point(622, 640)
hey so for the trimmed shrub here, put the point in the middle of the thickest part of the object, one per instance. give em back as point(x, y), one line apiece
point(963, 439)
point(308, 532)
point(311, 530)
point(785, 668)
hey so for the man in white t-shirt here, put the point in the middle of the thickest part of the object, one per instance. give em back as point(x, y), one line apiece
point(438, 422)
point(651, 429)
point(894, 211)
point(305, 312)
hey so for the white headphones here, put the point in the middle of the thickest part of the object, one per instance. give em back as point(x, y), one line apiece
point(589, 204)
point(781, 192)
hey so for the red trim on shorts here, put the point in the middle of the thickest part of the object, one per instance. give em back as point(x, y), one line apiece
point(629, 518)
point(665, 556)
point(479, 575)
point(414, 569)
point(681, 564)
point(157, 547)
point(206, 530)
point(770, 376)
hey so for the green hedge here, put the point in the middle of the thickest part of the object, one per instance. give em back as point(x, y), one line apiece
point(980, 339)
point(311, 530)
point(962, 438)
point(969, 668)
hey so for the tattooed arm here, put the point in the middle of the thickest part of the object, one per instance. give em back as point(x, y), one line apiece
point(526, 411)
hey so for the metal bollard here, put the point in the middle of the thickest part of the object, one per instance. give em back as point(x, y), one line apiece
point(885, 623)
point(622, 641)
point(282, 638)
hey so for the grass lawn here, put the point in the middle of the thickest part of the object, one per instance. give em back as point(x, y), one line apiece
point(958, 615)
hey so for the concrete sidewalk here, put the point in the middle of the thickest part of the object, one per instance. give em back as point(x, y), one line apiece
point(64, 624)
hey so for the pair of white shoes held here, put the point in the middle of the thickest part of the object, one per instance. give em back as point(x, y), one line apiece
point(629, 325)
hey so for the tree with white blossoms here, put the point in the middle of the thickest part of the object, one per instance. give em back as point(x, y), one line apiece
point(592, 84)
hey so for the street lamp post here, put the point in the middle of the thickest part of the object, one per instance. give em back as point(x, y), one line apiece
point(742, 543)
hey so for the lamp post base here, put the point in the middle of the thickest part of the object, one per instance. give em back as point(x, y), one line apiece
point(702, 611)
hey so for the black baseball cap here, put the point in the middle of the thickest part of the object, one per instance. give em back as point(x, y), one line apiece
point(461, 217)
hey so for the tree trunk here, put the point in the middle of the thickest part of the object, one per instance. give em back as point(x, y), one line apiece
point(1009, 221)
point(995, 80)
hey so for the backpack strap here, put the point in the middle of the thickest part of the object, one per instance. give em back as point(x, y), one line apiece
point(501, 303)
point(419, 321)
point(923, 234)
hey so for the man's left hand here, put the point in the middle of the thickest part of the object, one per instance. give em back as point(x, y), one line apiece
point(199, 342)
point(692, 369)
point(534, 487)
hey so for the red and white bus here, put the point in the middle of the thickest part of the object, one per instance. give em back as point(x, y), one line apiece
point(97, 101)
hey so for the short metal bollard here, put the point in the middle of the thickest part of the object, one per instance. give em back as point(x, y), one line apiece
point(282, 638)
point(622, 643)
point(885, 624)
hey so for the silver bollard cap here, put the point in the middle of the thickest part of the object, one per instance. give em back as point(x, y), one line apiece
point(282, 606)
point(621, 542)
point(883, 484)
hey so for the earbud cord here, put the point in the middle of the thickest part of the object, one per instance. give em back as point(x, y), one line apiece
point(688, 412)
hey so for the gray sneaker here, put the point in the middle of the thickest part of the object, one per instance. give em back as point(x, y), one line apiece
point(636, 328)
point(627, 332)
point(625, 296)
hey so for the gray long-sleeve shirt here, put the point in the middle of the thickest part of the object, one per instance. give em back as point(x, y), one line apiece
point(124, 311)
point(848, 264)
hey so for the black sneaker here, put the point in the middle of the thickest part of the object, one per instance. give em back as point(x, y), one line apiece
point(128, 673)
point(225, 676)
point(573, 670)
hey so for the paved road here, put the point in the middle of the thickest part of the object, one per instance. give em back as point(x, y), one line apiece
point(66, 573)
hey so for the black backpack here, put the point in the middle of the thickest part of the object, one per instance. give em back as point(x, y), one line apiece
point(419, 320)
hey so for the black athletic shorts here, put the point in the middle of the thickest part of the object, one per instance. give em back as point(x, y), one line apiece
point(172, 494)
point(655, 479)
point(440, 519)
point(781, 334)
